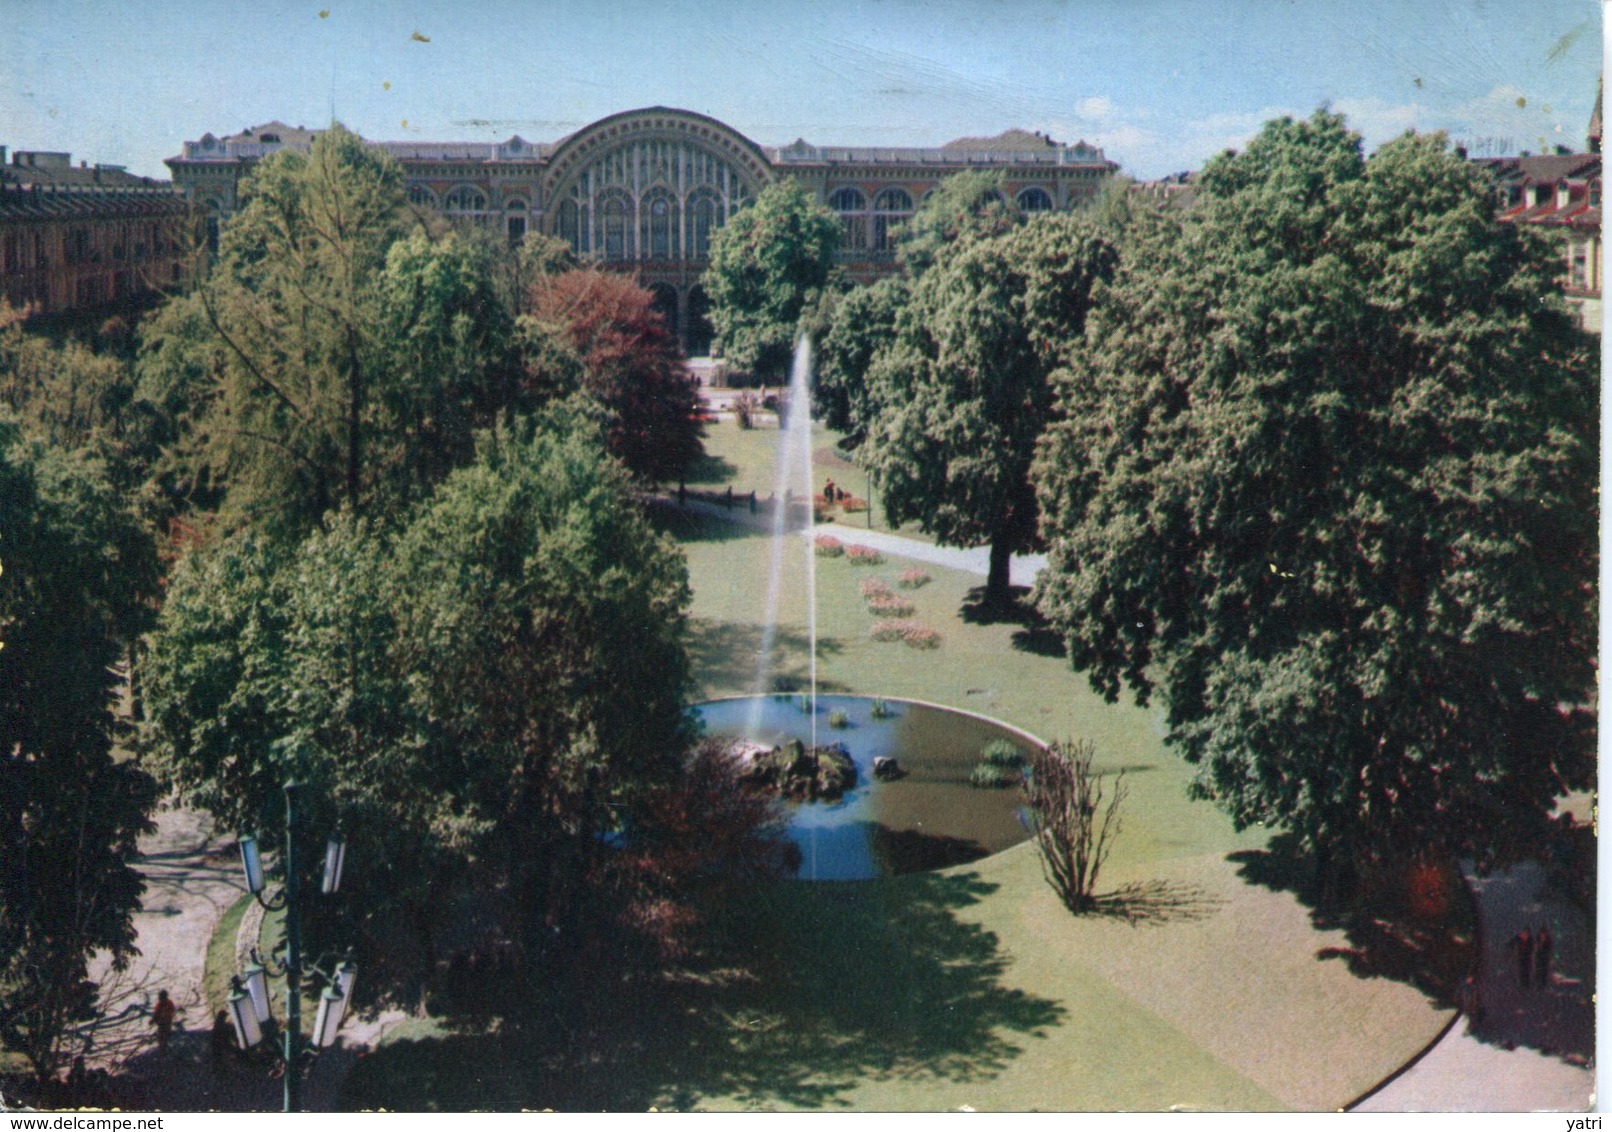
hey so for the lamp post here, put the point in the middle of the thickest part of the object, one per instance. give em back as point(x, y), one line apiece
point(249, 1002)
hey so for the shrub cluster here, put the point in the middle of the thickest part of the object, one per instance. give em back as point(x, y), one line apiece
point(838, 719)
point(912, 578)
point(828, 546)
point(989, 776)
point(889, 605)
point(851, 505)
point(1001, 765)
point(863, 556)
point(914, 634)
point(875, 587)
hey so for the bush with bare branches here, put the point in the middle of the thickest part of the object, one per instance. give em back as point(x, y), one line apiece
point(1074, 830)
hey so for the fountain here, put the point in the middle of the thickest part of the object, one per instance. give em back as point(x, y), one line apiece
point(927, 820)
point(792, 471)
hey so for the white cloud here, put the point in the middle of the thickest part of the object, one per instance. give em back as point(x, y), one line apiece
point(1378, 121)
point(1097, 107)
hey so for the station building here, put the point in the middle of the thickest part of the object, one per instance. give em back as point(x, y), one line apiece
point(646, 189)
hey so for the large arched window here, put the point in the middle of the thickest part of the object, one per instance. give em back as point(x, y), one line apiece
point(852, 207)
point(422, 197)
point(463, 199)
point(653, 196)
point(657, 222)
point(704, 218)
point(1033, 200)
point(573, 227)
point(890, 208)
point(614, 212)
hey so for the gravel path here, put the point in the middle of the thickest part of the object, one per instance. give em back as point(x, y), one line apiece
point(192, 879)
point(973, 560)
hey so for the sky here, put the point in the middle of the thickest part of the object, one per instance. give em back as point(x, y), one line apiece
point(1159, 85)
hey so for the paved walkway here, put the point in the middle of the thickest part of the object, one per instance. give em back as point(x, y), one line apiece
point(192, 879)
point(1529, 1053)
point(974, 560)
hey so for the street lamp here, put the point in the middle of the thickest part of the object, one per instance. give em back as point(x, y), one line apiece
point(249, 1000)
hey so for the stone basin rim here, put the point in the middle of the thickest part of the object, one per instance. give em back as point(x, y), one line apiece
point(1027, 736)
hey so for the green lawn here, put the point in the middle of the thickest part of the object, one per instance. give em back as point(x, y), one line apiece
point(972, 987)
point(745, 459)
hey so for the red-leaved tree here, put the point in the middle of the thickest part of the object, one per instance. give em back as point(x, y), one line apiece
point(628, 360)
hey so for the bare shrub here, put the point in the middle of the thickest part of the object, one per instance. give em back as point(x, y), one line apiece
point(1074, 830)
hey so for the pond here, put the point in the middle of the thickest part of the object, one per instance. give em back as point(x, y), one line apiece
point(930, 819)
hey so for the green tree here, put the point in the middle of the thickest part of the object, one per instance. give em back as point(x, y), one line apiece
point(1325, 477)
point(960, 395)
point(967, 204)
point(477, 695)
point(768, 264)
point(856, 324)
point(332, 360)
point(78, 577)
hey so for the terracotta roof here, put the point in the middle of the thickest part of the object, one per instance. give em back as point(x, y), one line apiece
point(1543, 169)
point(1007, 140)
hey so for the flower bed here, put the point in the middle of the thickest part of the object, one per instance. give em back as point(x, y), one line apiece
point(912, 578)
point(875, 587)
point(913, 634)
point(889, 605)
point(828, 546)
point(863, 556)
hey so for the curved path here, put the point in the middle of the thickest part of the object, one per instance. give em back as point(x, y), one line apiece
point(1489, 1066)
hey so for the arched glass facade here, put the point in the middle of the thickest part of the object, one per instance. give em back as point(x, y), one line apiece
point(891, 208)
point(853, 209)
point(651, 199)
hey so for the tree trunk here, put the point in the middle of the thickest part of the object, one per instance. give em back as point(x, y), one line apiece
point(998, 592)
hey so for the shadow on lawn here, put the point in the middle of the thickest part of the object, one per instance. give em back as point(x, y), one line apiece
point(1036, 636)
point(726, 653)
point(813, 989)
point(1156, 902)
point(1414, 927)
point(711, 469)
point(690, 525)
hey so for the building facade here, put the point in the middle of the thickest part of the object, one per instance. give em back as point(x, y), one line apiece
point(76, 238)
point(645, 190)
point(1561, 195)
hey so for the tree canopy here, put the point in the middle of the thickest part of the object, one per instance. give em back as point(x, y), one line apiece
point(967, 204)
point(852, 326)
point(959, 396)
point(77, 576)
point(628, 361)
point(1324, 476)
point(477, 696)
point(332, 356)
point(768, 263)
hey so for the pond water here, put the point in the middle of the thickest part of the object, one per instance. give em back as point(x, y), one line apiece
point(928, 820)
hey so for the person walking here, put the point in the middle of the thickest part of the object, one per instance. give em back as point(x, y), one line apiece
point(1523, 944)
point(1543, 946)
point(162, 1017)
